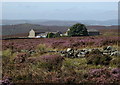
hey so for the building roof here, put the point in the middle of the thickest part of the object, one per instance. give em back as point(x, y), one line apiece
point(41, 31)
point(92, 30)
point(42, 34)
point(57, 32)
point(38, 31)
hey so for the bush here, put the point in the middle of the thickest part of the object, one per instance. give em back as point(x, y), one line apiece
point(20, 57)
point(51, 62)
point(53, 35)
point(104, 76)
point(74, 63)
point(50, 35)
point(57, 34)
point(6, 54)
point(115, 62)
point(77, 30)
point(6, 81)
point(42, 49)
point(96, 57)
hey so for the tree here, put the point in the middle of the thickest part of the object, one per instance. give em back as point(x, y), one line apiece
point(78, 30)
point(50, 35)
point(57, 34)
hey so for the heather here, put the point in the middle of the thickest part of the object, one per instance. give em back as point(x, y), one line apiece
point(89, 59)
point(96, 57)
point(64, 42)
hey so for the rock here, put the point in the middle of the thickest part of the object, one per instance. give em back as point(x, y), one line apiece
point(109, 48)
point(116, 53)
point(80, 56)
point(112, 52)
point(51, 51)
point(69, 49)
point(57, 51)
point(63, 55)
point(70, 52)
point(32, 52)
point(82, 53)
point(63, 52)
point(106, 53)
point(84, 49)
point(89, 50)
point(70, 55)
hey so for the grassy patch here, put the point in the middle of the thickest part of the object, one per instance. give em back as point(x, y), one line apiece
point(76, 63)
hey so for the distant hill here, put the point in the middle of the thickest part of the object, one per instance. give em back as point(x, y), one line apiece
point(59, 22)
point(25, 28)
point(39, 22)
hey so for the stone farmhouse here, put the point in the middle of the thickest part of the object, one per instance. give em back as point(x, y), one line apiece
point(93, 32)
point(36, 33)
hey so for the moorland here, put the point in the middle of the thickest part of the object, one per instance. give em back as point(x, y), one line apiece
point(83, 59)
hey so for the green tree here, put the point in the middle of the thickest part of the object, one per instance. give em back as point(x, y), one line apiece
point(78, 30)
point(50, 35)
point(57, 34)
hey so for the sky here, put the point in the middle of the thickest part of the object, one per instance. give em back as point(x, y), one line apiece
point(60, 10)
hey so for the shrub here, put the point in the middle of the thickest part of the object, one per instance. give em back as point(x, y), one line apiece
point(52, 62)
point(74, 68)
point(42, 49)
point(74, 63)
point(57, 34)
point(52, 77)
point(69, 79)
point(78, 30)
point(104, 76)
point(6, 56)
point(6, 81)
point(50, 35)
point(96, 57)
point(20, 57)
point(7, 53)
point(115, 62)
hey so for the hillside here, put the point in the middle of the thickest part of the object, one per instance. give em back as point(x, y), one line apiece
point(60, 22)
point(25, 28)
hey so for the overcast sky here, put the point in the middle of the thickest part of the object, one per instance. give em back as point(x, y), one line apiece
point(60, 10)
